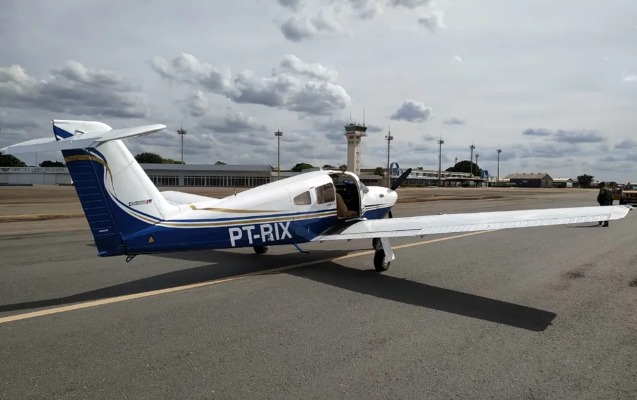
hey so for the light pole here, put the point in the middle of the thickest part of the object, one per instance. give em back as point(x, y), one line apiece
point(478, 167)
point(472, 147)
point(497, 181)
point(182, 132)
point(389, 138)
point(278, 135)
point(440, 143)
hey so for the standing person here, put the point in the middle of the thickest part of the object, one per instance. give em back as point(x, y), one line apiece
point(604, 198)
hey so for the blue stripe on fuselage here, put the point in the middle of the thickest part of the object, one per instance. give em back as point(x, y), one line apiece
point(165, 239)
point(378, 213)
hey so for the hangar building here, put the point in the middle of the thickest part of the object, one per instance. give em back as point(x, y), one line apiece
point(536, 180)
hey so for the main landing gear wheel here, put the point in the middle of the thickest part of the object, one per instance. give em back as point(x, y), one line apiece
point(376, 244)
point(380, 261)
point(260, 249)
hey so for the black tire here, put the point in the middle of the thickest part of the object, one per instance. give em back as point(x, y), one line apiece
point(260, 249)
point(376, 244)
point(380, 263)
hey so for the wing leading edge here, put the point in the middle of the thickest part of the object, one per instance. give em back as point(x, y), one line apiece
point(484, 221)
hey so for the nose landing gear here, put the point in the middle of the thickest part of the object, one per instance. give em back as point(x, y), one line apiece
point(383, 255)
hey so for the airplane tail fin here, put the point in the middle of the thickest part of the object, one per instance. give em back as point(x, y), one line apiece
point(117, 196)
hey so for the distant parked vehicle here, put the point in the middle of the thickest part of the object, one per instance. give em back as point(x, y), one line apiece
point(629, 194)
point(617, 192)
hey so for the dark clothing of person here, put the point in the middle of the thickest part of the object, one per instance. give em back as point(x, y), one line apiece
point(605, 198)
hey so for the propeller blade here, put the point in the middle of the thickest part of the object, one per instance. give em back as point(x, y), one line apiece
point(400, 180)
point(396, 185)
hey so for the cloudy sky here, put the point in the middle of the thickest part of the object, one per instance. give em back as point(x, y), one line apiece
point(553, 83)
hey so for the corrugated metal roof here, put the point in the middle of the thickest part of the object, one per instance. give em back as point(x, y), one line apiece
point(206, 167)
point(539, 175)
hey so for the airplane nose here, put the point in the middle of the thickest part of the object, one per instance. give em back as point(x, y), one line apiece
point(391, 196)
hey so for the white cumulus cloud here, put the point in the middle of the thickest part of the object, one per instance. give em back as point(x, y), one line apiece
point(298, 86)
point(413, 111)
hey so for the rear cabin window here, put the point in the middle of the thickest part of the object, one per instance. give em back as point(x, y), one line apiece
point(303, 199)
point(325, 193)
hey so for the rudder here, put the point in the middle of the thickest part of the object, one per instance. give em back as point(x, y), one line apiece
point(93, 199)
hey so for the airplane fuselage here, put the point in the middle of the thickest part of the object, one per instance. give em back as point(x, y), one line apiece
point(290, 211)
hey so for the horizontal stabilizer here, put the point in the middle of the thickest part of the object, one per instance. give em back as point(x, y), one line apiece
point(484, 221)
point(80, 140)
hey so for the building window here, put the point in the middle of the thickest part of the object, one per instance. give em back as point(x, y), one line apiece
point(194, 181)
point(164, 180)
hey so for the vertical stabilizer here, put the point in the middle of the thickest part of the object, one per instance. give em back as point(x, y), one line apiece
point(117, 196)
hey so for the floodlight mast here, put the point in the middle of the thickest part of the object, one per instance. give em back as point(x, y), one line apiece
point(497, 181)
point(278, 135)
point(182, 132)
point(389, 138)
point(440, 143)
point(471, 148)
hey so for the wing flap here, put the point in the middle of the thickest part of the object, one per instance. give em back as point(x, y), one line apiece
point(486, 221)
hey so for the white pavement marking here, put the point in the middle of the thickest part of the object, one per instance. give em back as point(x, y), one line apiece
point(119, 299)
point(14, 233)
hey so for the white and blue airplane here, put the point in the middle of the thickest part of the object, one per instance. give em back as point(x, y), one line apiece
point(129, 216)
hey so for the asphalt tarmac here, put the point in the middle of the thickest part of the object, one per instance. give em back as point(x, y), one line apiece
point(535, 313)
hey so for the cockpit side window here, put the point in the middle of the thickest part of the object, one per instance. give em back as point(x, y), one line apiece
point(325, 193)
point(303, 199)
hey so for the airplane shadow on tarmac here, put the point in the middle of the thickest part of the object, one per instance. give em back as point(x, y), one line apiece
point(366, 282)
point(583, 226)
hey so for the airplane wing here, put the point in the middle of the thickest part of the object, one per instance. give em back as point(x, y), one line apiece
point(483, 221)
point(178, 198)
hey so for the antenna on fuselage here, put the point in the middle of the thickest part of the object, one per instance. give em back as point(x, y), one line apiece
point(316, 161)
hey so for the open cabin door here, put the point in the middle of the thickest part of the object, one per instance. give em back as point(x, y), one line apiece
point(348, 195)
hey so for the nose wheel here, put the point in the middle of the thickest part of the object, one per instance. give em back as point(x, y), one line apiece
point(380, 261)
point(383, 255)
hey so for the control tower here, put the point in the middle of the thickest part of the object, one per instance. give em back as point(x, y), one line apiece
point(354, 133)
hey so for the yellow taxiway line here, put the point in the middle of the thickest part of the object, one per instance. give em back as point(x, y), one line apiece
point(119, 299)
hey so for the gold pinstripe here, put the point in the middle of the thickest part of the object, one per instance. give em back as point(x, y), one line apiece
point(90, 158)
point(231, 210)
point(246, 222)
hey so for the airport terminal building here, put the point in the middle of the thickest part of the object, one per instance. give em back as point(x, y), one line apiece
point(22, 176)
point(160, 174)
point(209, 175)
point(240, 176)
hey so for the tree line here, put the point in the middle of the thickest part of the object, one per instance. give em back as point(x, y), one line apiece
point(8, 160)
